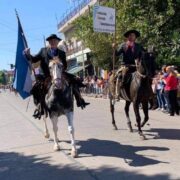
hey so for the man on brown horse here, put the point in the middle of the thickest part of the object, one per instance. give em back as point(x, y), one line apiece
point(131, 52)
point(45, 55)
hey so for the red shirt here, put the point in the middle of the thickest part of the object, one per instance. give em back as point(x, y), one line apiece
point(171, 83)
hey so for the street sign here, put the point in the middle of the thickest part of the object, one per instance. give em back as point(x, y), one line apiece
point(104, 19)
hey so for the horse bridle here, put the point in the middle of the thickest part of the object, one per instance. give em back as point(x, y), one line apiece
point(140, 74)
point(54, 82)
point(59, 79)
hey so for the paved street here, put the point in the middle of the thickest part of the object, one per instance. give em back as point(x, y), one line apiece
point(104, 154)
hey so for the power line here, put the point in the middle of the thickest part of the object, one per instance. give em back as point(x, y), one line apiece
point(5, 21)
point(7, 26)
point(31, 29)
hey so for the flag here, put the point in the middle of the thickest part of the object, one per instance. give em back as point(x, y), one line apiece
point(22, 77)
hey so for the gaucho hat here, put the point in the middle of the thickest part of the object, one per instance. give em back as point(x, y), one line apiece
point(137, 33)
point(53, 36)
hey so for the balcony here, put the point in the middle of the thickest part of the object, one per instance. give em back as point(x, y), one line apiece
point(73, 13)
point(74, 50)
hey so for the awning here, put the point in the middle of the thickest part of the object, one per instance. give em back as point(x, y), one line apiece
point(76, 69)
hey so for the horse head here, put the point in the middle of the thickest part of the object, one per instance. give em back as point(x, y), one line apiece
point(142, 66)
point(56, 72)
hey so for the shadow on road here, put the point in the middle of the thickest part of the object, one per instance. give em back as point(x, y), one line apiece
point(14, 166)
point(171, 134)
point(97, 147)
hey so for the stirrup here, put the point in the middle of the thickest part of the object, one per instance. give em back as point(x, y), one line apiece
point(37, 114)
point(82, 104)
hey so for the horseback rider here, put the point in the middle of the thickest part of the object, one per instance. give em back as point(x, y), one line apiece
point(44, 56)
point(131, 52)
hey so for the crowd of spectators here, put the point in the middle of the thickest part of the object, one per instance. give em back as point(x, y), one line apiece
point(166, 88)
point(95, 86)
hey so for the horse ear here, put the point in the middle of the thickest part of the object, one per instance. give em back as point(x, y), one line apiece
point(137, 60)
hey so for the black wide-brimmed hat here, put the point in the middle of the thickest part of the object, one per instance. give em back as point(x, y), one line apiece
point(53, 36)
point(137, 33)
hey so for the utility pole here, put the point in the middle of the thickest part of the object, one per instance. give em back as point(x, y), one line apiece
point(82, 51)
point(114, 52)
point(114, 39)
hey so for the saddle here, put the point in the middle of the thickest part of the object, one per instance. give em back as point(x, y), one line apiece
point(121, 79)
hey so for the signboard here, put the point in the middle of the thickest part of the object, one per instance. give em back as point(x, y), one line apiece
point(104, 19)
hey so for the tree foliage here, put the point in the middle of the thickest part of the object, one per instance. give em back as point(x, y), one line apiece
point(157, 20)
point(3, 78)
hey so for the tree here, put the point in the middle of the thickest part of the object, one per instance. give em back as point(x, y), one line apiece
point(157, 20)
point(3, 79)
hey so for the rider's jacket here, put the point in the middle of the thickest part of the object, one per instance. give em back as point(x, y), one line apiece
point(47, 54)
point(129, 53)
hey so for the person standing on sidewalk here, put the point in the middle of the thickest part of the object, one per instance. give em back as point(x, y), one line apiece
point(171, 88)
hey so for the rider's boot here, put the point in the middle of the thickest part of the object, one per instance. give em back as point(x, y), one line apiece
point(79, 100)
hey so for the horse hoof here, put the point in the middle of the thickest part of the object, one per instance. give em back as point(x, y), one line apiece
point(74, 153)
point(115, 127)
point(56, 148)
point(130, 127)
point(47, 136)
point(143, 137)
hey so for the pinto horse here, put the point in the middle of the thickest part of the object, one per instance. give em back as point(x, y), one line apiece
point(137, 91)
point(59, 101)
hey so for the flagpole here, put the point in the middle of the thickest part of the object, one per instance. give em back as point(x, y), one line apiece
point(25, 41)
point(114, 38)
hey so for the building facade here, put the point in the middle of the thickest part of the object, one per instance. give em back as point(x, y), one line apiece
point(78, 56)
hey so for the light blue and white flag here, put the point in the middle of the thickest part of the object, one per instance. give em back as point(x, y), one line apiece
point(22, 77)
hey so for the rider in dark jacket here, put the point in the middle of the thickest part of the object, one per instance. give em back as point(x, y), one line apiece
point(131, 52)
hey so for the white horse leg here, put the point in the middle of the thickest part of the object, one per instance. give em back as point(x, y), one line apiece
point(55, 129)
point(69, 116)
point(46, 135)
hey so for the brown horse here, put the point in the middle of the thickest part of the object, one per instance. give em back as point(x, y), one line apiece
point(138, 91)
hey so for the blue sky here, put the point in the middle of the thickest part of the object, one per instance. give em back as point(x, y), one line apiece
point(38, 18)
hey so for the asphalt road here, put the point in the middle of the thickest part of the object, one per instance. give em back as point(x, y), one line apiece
point(104, 154)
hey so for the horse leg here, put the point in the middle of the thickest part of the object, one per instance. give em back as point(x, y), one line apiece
point(54, 120)
point(145, 110)
point(112, 113)
point(138, 119)
point(69, 116)
point(126, 108)
point(46, 135)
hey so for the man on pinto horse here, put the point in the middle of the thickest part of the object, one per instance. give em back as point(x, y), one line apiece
point(40, 88)
point(131, 52)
